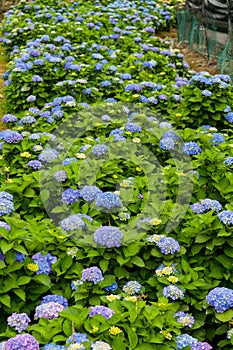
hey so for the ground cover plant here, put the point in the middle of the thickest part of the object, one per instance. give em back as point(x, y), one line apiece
point(116, 184)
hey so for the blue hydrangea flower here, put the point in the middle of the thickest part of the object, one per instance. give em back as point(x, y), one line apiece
point(185, 319)
point(9, 118)
point(10, 136)
point(190, 148)
point(44, 262)
point(56, 299)
point(109, 237)
point(20, 257)
point(167, 143)
point(217, 139)
point(6, 206)
point(220, 298)
point(133, 127)
point(168, 245)
point(229, 117)
point(99, 150)
point(53, 346)
point(108, 201)
point(34, 164)
point(92, 274)
point(205, 205)
point(228, 161)
point(70, 196)
point(73, 222)
point(206, 93)
point(31, 98)
point(133, 87)
point(48, 155)
point(77, 338)
point(185, 340)
point(132, 287)
point(111, 288)
point(90, 193)
point(226, 217)
point(173, 292)
point(68, 161)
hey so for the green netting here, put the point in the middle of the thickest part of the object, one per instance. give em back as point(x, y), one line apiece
point(207, 36)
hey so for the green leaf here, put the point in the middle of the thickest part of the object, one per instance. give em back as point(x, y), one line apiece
point(21, 294)
point(6, 300)
point(225, 316)
point(24, 280)
point(42, 279)
point(136, 260)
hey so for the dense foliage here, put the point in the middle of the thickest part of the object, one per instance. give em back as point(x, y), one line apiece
point(116, 184)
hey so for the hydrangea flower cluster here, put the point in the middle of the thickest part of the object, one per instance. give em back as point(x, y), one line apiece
point(77, 338)
point(112, 288)
point(56, 299)
point(99, 150)
point(220, 298)
point(6, 203)
point(205, 205)
point(92, 274)
point(228, 161)
point(185, 319)
point(53, 346)
point(73, 222)
point(34, 164)
point(173, 292)
point(101, 310)
point(49, 310)
point(18, 321)
point(90, 193)
point(60, 176)
point(22, 342)
point(70, 196)
point(100, 345)
point(184, 340)
point(108, 201)
point(226, 217)
point(168, 245)
point(201, 346)
point(109, 237)
point(191, 148)
point(163, 270)
point(44, 262)
point(5, 225)
point(132, 287)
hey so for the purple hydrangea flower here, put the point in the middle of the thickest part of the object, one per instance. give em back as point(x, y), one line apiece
point(18, 321)
point(22, 342)
point(60, 176)
point(5, 225)
point(9, 118)
point(201, 346)
point(92, 274)
point(48, 310)
point(108, 237)
point(101, 310)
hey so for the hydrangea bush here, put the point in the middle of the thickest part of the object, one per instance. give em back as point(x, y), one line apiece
point(116, 183)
